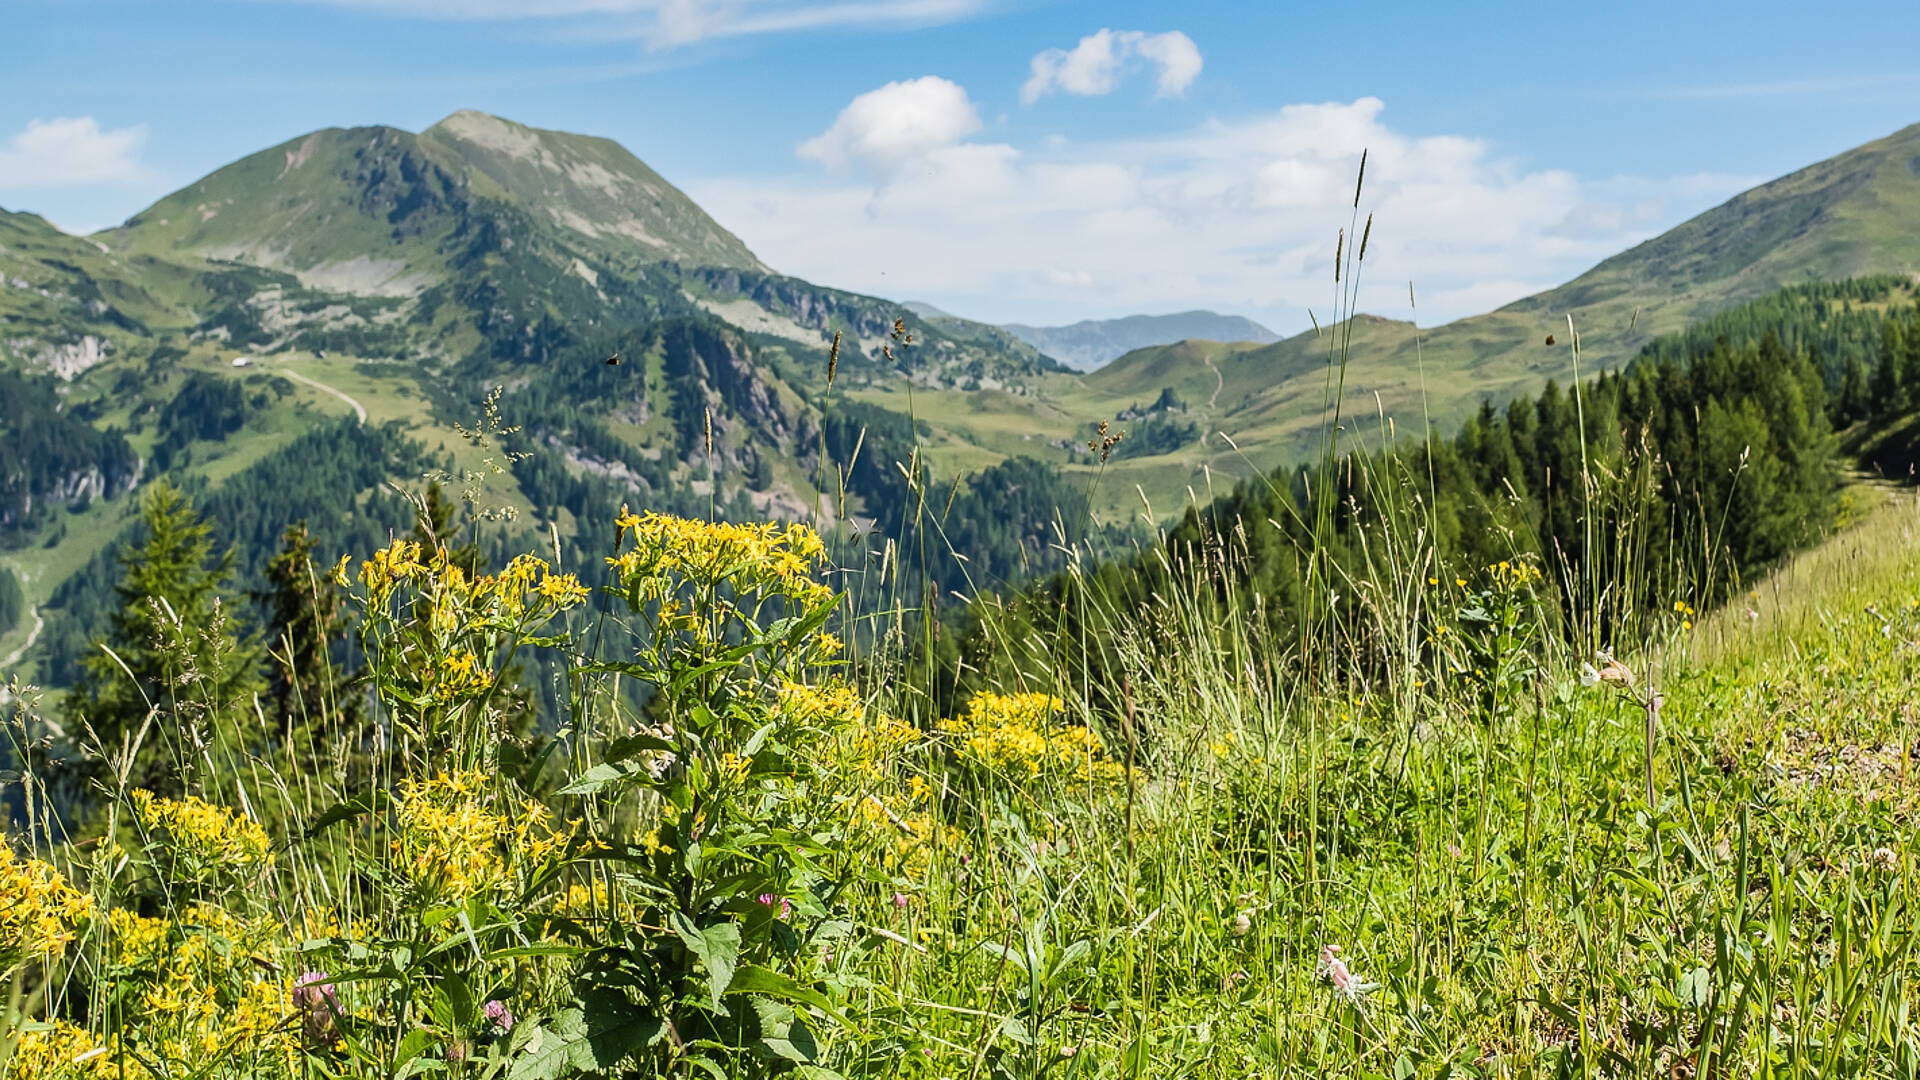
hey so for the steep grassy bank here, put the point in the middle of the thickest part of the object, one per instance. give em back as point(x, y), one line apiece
point(1479, 861)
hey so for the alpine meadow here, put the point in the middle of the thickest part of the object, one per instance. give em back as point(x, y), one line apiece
point(465, 613)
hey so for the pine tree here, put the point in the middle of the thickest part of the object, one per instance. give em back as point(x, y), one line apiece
point(304, 621)
point(1854, 400)
point(1889, 381)
point(176, 671)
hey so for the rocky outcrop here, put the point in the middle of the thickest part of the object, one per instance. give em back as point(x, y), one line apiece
point(75, 489)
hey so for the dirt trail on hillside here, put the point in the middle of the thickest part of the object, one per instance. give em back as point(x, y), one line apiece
point(358, 409)
point(33, 635)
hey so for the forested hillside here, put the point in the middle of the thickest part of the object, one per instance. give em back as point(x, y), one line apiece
point(1703, 463)
point(645, 356)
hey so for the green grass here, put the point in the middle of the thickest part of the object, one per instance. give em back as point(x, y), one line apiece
point(1527, 870)
point(1499, 885)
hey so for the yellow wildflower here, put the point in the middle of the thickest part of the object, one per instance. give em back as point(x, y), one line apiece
point(61, 1050)
point(1013, 736)
point(762, 557)
point(38, 909)
point(453, 839)
point(208, 835)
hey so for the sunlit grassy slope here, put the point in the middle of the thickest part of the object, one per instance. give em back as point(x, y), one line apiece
point(1853, 214)
point(379, 217)
point(1397, 875)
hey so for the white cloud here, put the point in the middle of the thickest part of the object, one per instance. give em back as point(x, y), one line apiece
point(1096, 64)
point(671, 23)
point(881, 129)
point(1178, 59)
point(1236, 215)
point(71, 151)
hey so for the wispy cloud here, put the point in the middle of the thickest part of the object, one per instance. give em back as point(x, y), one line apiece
point(70, 151)
point(1790, 88)
point(1095, 65)
point(671, 23)
point(1236, 214)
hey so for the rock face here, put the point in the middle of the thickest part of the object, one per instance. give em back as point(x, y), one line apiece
point(714, 379)
point(71, 359)
point(74, 488)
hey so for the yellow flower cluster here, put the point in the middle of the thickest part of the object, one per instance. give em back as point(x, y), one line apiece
point(458, 676)
point(199, 985)
point(1512, 575)
point(1686, 613)
point(136, 940)
point(61, 1052)
point(759, 557)
point(825, 708)
point(38, 909)
point(876, 740)
point(907, 837)
point(455, 843)
point(396, 562)
point(527, 583)
point(1014, 736)
point(204, 834)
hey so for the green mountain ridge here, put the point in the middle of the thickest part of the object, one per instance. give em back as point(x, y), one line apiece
point(1852, 215)
point(382, 211)
point(400, 276)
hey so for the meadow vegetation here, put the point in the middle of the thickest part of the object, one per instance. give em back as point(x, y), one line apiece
point(1489, 856)
point(1418, 761)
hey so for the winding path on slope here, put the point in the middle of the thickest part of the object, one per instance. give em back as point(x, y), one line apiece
point(1219, 382)
point(33, 635)
point(358, 409)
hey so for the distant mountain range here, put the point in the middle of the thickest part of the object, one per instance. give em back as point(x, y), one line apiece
point(1092, 343)
point(400, 275)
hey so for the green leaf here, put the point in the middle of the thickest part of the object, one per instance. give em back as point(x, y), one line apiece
point(753, 979)
point(755, 741)
point(598, 778)
point(784, 1033)
point(417, 1042)
point(807, 623)
point(639, 742)
point(594, 1036)
point(717, 946)
point(1013, 957)
point(1694, 989)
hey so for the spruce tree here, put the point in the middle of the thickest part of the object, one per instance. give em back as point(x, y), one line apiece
point(305, 620)
point(1889, 381)
point(173, 680)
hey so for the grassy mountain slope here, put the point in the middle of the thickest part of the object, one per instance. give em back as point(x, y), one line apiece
point(384, 211)
point(1854, 214)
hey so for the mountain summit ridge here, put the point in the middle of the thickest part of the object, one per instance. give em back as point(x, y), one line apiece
point(383, 211)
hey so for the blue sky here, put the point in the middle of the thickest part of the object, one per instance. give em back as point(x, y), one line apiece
point(1039, 162)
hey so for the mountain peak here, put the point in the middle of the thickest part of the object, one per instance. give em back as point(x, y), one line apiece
point(486, 128)
point(380, 210)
